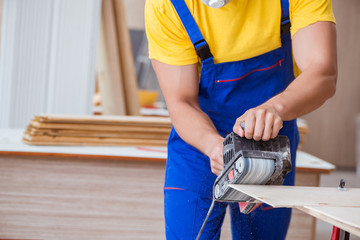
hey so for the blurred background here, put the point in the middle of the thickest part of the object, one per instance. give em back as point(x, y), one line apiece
point(89, 57)
point(53, 61)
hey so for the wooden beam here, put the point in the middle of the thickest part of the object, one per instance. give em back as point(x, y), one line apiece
point(108, 64)
point(126, 60)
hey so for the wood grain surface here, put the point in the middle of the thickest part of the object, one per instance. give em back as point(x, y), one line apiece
point(68, 130)
point(97, 127)
point(77, 199)
point(83, 133)
point(56, 198)
point(90, 119)
point(300, 196)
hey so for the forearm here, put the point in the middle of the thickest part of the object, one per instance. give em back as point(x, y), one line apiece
point(306, 93)
point(314, 50)
point(194, 126)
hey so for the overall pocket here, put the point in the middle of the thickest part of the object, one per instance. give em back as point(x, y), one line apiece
point(239, 86)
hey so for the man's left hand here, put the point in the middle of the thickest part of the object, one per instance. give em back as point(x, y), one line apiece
point(261, 123)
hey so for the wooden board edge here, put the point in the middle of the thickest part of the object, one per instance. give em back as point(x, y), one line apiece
point(257, 198)
point(314, 170)
point(101, 118)
point(82, 156)
point(321, 216)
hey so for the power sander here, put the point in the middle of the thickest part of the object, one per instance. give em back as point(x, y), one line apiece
point(247, 161)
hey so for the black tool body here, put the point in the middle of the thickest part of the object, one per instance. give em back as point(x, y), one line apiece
point(238, 153)
point(240, 157)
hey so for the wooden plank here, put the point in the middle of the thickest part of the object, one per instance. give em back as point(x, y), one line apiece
point(112, 144)
point(82, 156)
point(58, 118)
point(78, 133)
point(97, 127)
point(91, 139)
point(110, 80)
point(104, 78)
point(126, 60)
point(65, 130)
point(88, 141)
point(346, 218)
point(11, 144)
point(299, 196)
point(302, 225)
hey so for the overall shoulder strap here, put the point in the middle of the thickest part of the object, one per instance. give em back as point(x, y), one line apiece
point(192, 29)
point(285, 17)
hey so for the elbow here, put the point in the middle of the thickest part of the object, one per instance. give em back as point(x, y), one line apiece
point(332, 80)
point(330, 85)
point(332, 90)
point(329, 75)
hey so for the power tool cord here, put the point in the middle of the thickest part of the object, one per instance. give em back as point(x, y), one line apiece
point(207, 217)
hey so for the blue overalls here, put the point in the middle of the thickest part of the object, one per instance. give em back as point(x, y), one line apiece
point(226, 91)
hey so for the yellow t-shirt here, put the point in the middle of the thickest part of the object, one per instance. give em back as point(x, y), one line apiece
point(240, 30)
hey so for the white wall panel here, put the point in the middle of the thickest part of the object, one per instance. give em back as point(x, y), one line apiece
point(48, 55)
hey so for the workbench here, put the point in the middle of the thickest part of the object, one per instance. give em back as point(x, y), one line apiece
point(339, 206)
point(49, 192)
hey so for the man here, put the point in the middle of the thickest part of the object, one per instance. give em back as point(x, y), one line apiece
point(245, 50)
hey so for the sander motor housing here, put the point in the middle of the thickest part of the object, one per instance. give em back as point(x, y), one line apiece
point(240, 166)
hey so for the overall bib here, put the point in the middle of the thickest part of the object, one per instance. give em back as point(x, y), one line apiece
point(226, 91)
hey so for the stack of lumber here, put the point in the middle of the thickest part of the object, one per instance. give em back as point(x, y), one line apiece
point(303, 130)
point(97, 130)
point(107, 130)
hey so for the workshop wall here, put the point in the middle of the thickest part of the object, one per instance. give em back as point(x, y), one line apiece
point(47, 62)
point(333, 126)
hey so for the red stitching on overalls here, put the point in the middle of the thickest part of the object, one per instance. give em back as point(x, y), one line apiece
point(265, 208)
point(247, 74)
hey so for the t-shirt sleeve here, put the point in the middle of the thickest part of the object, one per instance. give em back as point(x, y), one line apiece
point(168, 40)
point(306, 12)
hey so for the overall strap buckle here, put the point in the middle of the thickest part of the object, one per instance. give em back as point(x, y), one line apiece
point(203, 51)
point(285, 26)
